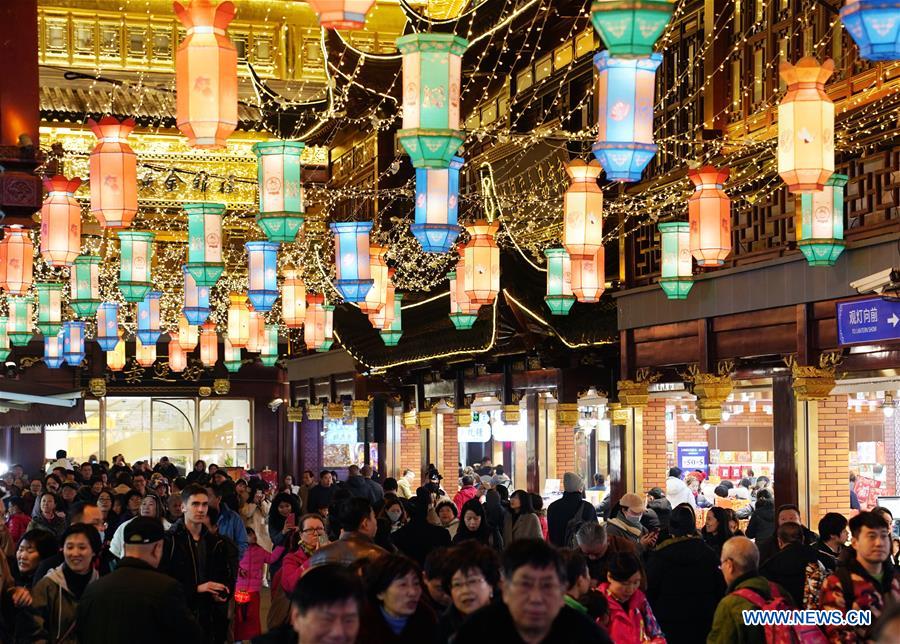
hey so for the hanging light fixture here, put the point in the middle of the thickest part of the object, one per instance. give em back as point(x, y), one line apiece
point(589, 278)
point(136, 250)
point(293, 299)
point(874, 26)
point(437, 207)
point(178, 356)
point(188, 335)
point(49, 307)
point(481, 258)
point(232, 358)
point(819, 222)
point(60, 221)
point(378, 268)
point(256, 338)
point(196, 300)
point(115, 357)
point(73, 342)
point(113, 172)
point(206, 86)
point(391, 335)
point(16, 260)
point(20, 315)
point(463, 313)
point(630, 27)
point(431, 83)
point(279, 175)
point(148, 318)
point(559, 296)
point(205, 242)
point(583, 208)
point(209, 344)
point(4, 338)
point(268, 351)
point(806, 126)
point(351, 252)
point(709, 214)
point(341, 14)
point(382, 318)
point(262, 263)
point(238, 320)
point(84, 285)
point(317, 330)
point(53, 351)
point(676, 270)
point(108, 325)
point(145, 354)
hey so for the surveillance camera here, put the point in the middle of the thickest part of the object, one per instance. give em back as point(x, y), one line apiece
point(886, 280)
point(275, 404)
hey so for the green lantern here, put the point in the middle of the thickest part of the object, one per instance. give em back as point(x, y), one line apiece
point(391, 335)
point(4, 338)
point(559, 296)
point(84, 284)
point(460, 313)
point(431, 82)
point(268, 353)
point(329, 329)
point(232, 356)
point(49, 307)
point(819, 222)
point(136, 250)
point(631, 27)
point(281, 208)
point(18, 326)
point(205, 242)
point(676, 274)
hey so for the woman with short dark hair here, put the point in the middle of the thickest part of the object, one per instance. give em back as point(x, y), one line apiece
point(630, 616)
point(395, 612)
point(471, 575)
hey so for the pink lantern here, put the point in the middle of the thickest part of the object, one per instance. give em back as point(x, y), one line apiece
point(60, 222)
point(113, 167)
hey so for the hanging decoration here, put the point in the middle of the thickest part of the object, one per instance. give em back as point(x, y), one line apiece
point(73, 342)
point(113, 172)
point(115, 357)
point(148, 318)
point(630, 27)
point(481, 257)
point(559, 296)
point(279, 174)
point(806, 126)
point(136, 251)
point(53, 351)
point(709, 213)
point(819, 222)
point(437, 207)
point(20, 315)
point(293, 299)
point(583, 209)
point(382, 318)
point(317, 330)
point(84, 285)
point(188, 335)
point(145, 354)
point(16, 260)
point(49, 307)
point(209, 344)
point(232, 358)
point(206, 86)
point(205, 242)
point(196, 300)
point(377, 295)
point(624, 143)
point(676, 271)
point(874, 26)
point(178, 356)
point(108, 325)
point(341, 14)
point(257, 332)
point(431, 84)
point(60, 221)
point(391, 335)
point(463, 313)
point(262, 262)
point(589, 277)
point(238, 320)
point(268, 350)
point(351, 251)
point(4, 338)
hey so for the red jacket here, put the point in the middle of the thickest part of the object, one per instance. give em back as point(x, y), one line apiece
point(466, 493)
point(250, 570)
point(632, 623)
point(18, 525)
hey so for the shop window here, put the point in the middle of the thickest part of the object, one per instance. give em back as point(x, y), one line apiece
point(225, 432)
point(128, 428)
point(341, 444)
point(240, 43)
point(110, 41)
point(173, 430)
point(265, 51)
point(543, 68)
point(80, 440)
point(562, 56)
point(162, 45)
point(584, 43)
point(84, 39)
point(489, 114)
point(57, 37)
point(137, 42)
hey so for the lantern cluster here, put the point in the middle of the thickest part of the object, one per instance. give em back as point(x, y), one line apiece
point(113, 171)
point(279, 175)
point(875, 27)
point(819, 222)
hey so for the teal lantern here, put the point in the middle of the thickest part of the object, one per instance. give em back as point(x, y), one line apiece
point(19, 325)
point(559, 296)
point(391, 335)
point(4, 338)
point(819, 222)
point(232, 356)
point(205, 242)
point(462, 313)
point(49, 307)
point(53, 350)
point(268, 353)
point(73, 342)
point(329, 329)
point(262, 268)
point(281, 208)
point(136, 250)
point(677, 270)
point(148, 318)
point(431, 82)
point(631, 27)
point(84, 285)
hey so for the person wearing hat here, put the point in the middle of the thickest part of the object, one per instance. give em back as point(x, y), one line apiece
point(136, 603)
point(566, 514)
point(626, 522)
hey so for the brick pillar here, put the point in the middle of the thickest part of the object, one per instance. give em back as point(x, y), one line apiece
point(410, 447)
point(833, 456)
point(654, 443)
point(449, 455)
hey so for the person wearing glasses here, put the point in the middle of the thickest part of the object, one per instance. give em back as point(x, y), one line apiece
point(312, 535)
point(471, 575)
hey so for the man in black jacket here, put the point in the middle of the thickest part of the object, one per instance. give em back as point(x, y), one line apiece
point(564, 510)
point(793, 562)
point(136, 603)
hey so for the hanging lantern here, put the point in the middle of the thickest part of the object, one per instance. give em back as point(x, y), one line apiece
point(382, 318)
point(113, 172)
point(559, 296)
point(437, 207)
point(256, 338)
point(806, 126)
point(262, 262)
point(624, 143)
point(238, 320)
point(232, 358)
point(209, 344)
point(589, 277)
point(178, 356)
point(53, 351)
point(268, 351)
point(18, 326)
point(874, 26)
point(293, 300)
point(148, 318)
point(377, 295)
point(583, 208)
point(206, 74)
point(351, 251)
point(317, 330)
point(136, 250)
point(341, 14)
point(462, 313)
point(819, 222)
point(196, 300)
point(60, 221)
point(16, 260)
point(4, 338)
point(49, 307)
point(115, 357)
point(279, 174)
point(709, 213)
point(391, 335)
point(145, 354)
point(73, 342)
point(108, 325)
point(676, 271)
point(630, 27)
point(205, 242)
point(431, 82)
point(482, 262)
point(84, 286)
point(188, 335)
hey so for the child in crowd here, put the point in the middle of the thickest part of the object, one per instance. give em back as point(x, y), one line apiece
point(249, 581)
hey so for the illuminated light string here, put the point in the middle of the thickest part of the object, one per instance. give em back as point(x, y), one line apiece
point(562, 338)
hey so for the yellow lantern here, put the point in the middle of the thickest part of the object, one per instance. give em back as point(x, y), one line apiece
point(209, 345)
point(377, 295)
point(589, 277)
point(293, 299)
point(583, 208)
point(188, 335)
point(145, 354)
point(482, 262)
point(177, 357)
point(115, 358)
point(238, 320)
point(60, 222)
point(16, 260)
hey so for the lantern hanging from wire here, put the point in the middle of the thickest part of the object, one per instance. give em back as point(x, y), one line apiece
point(53, 350)
point(4, 338)
point(341, 14)
point(209, 344)
point(589, 277)
point(874, 26)
point(136, 259)
point(60, 221)
point(437, 207)
point(262, 263)
point(624, 143)
point(108, 325)
point(73, 342)
point(378, 268)
point(148, 318)
point(293, 299)
point(268, 351)
point(392, 334)
point(318, 330)
point(583, 210)
point(178, 356)
point(196, 300)
point(49, 307)
point(279, 175)
point(113, 172)
point(462, 313)
point(18, 326)
point(676, 268)
point(206, 86)
point(145, 354)
point(205, 241)
point(351, 251)
point(630, 27)
point(806, 126)
point(819, 222)
point(16, 260)
point(382, 318)
point(115, 357)
point(84, 285)
point(238, 320)
point(188, 335)
point(256, 337)
point(709, 213)
point(482, 262)
point(232, 358)
point(431, 83)
point(559, 297)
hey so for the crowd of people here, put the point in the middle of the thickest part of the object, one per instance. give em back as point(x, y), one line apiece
point(102, 552)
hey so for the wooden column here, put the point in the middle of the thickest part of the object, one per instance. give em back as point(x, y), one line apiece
point(784, 417)
point(19, 81)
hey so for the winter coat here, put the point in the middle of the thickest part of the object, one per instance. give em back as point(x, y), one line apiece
point(632, 622)
point(466, 493)
point(489, 537)
point(359, 488)
point(678, 492)
point(56, 525)
point(452, 527)
point(561, 511)
point(527, 526)
point(255, 517)
point(788, 567)
point(232, 526)
point(868, 594)
point(762, 522)
point(728, 622)
point(376, 490)
point(419, 629)
point(419, 537)
point(493, 624)
point(501, 479)
point(663, 510)
point(350, 548)
point(17, 525)
point(618, 526)
point(404, 489)
point(769, 547)
point(292, 568)
point(51, 617)
point(250, 569)
point(319, 497)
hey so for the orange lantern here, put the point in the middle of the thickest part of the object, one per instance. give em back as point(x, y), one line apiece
point(377, 295)
point(16, 260)
point(293, 300)
point(177, 357)
point(257, 337)
point(206, 74)
point(318, 328)
point(113, 168)
point(60, 222)
point(341, 14)
point(482, 262)
point(709, 213)
point(115, 358)
point(209, 345)
point(589, 277)
point(188, 335)
point(238, 320)
point(382, 320)
point(583, 209)
point(145, 354)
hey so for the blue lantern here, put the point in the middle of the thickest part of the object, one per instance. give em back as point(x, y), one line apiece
point(351, 252)
point(196, 300)
point(437, 205)
point(875, 27)
point(148, 318)
point(624, 143)
point(53, 350)
point(73, 342)
point(262, 259)
point(108, 325)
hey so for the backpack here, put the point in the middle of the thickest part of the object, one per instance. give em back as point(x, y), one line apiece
point(575, 523)
point(781, 634)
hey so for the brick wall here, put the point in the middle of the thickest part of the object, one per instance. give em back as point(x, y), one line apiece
point(449, 465)
point(834, 463)
point(565, 449)
point(654, 443)
point(410, 449)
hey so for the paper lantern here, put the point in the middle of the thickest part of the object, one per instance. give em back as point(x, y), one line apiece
point(583, 209)
point(268, 351)
point(676, 271)
point(60, 221)
point(382, 318)
point(437, 207)
point(206, 87)
point(293, 300)
point(53, 351)
point(4, 338)
point(256, 338)
point(49, 307)
point(351, 251)
point(875, 27)
point(630, 27)
point(145, 354)
point(232, 358)
point(18, 326)
point(262, 262)
point(84, 285)
point(317, 330)
point(238, 320)
point(108, 325)
point(482, 262)
point(462, 313)
point(188, 335)
point(73, 342)
point(279, 174)
point(589, 278)
point(196, 300)
point(209, 344)
point(341, 14)
point(806, 126)
point(16, 260)
point(624, 143)
point(136, 251)
point(431, 82)
point(115, 357)
point(391, 335)
point(819, 222)
point(377, 295)
point(709, 213)
point(148, 318)
point(178, 357)
point(205, 242)
point(559, 296)
point(113, 171)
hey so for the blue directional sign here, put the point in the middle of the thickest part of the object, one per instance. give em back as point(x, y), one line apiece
point(870, 320)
